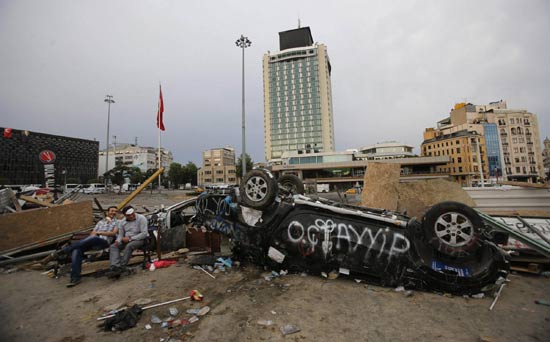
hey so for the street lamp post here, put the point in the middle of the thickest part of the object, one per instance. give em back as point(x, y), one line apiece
point(109, 100)
point(243, 42)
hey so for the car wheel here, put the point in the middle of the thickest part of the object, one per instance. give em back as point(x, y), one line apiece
point(258, 189)
point(292, 183)
point(452, 228)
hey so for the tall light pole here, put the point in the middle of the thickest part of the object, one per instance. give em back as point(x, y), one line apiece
point(109, 100)
point(243, 42)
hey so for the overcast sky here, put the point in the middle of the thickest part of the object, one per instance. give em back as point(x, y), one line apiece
point(397, 66)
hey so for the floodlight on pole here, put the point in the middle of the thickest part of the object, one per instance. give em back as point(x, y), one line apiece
point(109, 100)
point(243, 42)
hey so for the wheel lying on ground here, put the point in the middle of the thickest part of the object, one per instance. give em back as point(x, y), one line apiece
point(292, 184)
point(452, 228)
point(258, 189)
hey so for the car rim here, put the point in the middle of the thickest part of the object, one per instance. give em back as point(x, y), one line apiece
point(454, 229)
point(256, 189)
point(289, 186)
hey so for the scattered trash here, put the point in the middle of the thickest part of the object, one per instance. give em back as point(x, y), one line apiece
point(542, 302)
point(323, 274)
point(344, 271)
point(358, 281)
point(264, 322)
point(273, 312)
point(161, 264)
point(152, 284)
point(152, 267)
point(148, 326)
point(288, 329)
point(399, 289)
point(333, 275)
point(173, 311)
point(197, 267)
point(283, 273)
point(275, 255)
point(196, 295)
point(155, 319)
point(193, 311)
point(408, 293)
point(479, 295)
point(227, 262)
point(193, 319)
point(203, 311)
point(545, 274)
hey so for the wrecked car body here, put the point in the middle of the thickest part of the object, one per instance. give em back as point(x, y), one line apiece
point(449, 250)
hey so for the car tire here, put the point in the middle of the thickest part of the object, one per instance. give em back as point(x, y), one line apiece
point(452, 228)
point(258, 189)
point(292, 183)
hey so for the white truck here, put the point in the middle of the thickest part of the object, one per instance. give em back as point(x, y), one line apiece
point(323, 188)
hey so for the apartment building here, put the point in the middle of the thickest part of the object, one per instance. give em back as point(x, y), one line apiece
point(508, 140)
point(143, 157)
point(218, 167)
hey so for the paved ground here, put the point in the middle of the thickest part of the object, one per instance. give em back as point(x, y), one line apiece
point(34, 307)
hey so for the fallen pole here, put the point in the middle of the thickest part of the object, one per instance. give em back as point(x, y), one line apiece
point(145, 308)
point(202, 269)
point(496, 297)
point(25, 257)
point(139, 189)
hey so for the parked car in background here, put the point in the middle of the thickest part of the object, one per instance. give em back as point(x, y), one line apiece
point(95, 188)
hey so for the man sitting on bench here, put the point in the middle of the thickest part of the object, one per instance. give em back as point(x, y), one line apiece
point(100, 238)
point(131, 235)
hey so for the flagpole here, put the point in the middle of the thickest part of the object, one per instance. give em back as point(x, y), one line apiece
point(159, 140)
point(159, 160)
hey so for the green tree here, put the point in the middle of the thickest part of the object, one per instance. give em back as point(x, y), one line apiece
point(189, 173)
point(175, 174)
point(249, 165)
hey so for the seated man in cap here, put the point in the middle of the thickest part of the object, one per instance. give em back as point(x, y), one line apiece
point(132, 233)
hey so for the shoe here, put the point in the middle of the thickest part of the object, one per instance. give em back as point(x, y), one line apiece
point(73, 282)
point(114, 272)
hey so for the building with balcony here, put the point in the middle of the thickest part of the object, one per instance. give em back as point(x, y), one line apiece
point(385, 150)
point(145, 158)
point(510, 147)
point(218, 167)
point(298, 112)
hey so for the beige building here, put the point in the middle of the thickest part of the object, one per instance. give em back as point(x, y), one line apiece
point(143, 157)
point(297, 97)
point(510, 139)
point(218, 167)
point(467, 153)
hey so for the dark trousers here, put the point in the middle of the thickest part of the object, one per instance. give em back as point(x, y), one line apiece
point(78, 248)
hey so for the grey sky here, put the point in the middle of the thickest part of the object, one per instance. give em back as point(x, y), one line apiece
point(397, 67)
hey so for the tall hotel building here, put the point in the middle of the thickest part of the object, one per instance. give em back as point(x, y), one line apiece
point(297, 97)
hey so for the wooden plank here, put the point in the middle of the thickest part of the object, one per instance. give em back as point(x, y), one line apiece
point(525, 184)
point(93, 267)
point(37, 225)
point(35, 201)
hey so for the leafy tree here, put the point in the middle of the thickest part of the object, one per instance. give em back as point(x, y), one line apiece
point(190, 173)
point(249, 165)
point(175, 174)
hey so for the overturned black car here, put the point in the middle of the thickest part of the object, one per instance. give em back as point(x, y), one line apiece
point(270, 223)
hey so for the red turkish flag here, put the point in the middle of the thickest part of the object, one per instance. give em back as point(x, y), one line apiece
point(160, 124)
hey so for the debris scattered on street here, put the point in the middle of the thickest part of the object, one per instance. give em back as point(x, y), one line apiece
point(288, 329)
point(265, 322)
point(542, 302)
